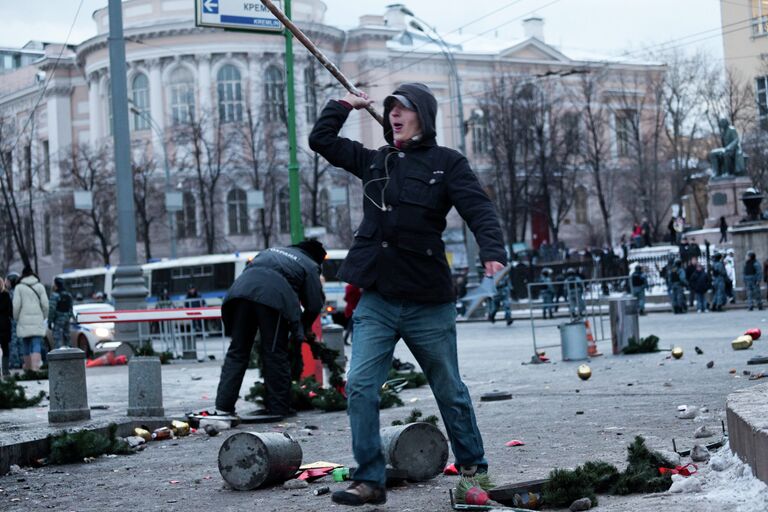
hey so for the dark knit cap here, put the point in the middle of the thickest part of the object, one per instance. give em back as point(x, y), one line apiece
point(314, 249)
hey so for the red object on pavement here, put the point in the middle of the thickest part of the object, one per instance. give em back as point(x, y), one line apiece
point(515, 442)
point(450, 469)
point(313, 474)
point(680, 470)
point(312, 367)
point(121, 359)
point(755, 333)
point(476, 496)
point(107, 359)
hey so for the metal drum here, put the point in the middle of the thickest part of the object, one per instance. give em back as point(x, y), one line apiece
point(573, 340)
point(624, 322)
point(248, 460)
point(420, 449)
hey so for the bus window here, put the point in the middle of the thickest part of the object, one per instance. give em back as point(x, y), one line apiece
point(223, 276)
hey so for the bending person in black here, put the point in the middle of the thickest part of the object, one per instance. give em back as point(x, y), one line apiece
point(266, 298)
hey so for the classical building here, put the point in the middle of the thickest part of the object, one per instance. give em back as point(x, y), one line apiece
point(207, 120)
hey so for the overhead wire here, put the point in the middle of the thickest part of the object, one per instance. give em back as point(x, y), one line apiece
point(48, 79)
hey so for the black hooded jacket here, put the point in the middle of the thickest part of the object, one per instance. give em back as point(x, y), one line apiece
point(281, 278)
point(408, 192)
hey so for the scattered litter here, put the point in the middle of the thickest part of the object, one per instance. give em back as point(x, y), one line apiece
point(742, 342)
point(688, 412)
point(495, 395)
point(732, 371)
point(451, 470)
point(579, 412)
point(514, 442)
point(703, 431)
point(197, 377)
point(294, 484)
point(754, 333)
point(134, 441)
point(699, 453)
point(710, 364)
point(687, 470)
point(174, 482)
point(321, 490)
point(757, 376)
point(580, 504)
point(698, 351)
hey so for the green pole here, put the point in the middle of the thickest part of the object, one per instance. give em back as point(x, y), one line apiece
point(297, 230)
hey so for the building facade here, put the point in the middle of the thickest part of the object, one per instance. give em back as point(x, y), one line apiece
point(207, 111)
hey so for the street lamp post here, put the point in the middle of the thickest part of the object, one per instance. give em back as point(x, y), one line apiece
point(470, 244)
point(171, 219)
point(129, 289)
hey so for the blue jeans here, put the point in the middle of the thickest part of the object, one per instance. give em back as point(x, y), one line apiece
point(429, 331)
point(32, 345)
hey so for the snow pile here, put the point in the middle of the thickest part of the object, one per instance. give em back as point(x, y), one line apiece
point(726, 481)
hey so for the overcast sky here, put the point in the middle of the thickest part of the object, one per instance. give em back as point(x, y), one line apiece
point(608, 27)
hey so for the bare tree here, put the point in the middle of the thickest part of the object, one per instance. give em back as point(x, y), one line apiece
point(14, 215)
point(263, 159)
point(502, 107)
point(212, 152)
point(595, 114)
point(147, 198)
point(88, 169)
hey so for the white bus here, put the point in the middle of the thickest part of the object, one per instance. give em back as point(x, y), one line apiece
point(211, 274)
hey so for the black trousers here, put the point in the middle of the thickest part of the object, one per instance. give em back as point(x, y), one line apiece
point(249, 318)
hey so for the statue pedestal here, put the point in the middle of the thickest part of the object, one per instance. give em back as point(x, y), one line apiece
point(725, 199)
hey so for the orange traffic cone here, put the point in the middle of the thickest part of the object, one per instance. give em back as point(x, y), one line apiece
point(591, 345)
point(105, 360)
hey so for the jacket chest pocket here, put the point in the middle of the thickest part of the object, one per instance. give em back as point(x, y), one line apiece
point(422, 190)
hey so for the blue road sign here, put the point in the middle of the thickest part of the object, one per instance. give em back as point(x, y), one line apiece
point(239, 14)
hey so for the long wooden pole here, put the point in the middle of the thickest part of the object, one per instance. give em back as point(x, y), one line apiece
point(309, 45)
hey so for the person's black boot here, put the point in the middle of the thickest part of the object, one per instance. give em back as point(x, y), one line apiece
point(360, 493)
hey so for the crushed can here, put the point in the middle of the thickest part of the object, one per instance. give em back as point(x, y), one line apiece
point(162, 433)
point(142, 433)
point(180, 428)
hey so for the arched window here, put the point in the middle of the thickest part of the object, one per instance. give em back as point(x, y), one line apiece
point(140, 103)
point(580, 205)
point(181, 92)
point(274, 98)
point(186, 220)
point(284, 210)
point(310, 94)
point(237, 212)
point(323, 208)
point(230, 92)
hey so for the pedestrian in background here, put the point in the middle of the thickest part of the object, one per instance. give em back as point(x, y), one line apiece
point(30, 310)
point(638, 283)
point(676, 283)
point(574, 291)
point(723, 231)
point(547, 293)
point(6, 315)
point(60, 312)
point(398, 258)
point(17, 347)
point(718, 282)
point(700, 283)
point(267, 298)
point(753, 275)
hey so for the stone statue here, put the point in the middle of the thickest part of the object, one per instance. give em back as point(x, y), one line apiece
point(727, 160)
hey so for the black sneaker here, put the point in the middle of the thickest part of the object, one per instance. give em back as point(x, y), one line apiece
point(360, 493)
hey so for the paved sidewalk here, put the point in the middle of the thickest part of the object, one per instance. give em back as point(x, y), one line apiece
point(562, 420)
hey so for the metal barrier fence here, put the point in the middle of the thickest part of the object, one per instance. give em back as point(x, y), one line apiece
point(596, 291)
point(187, 339)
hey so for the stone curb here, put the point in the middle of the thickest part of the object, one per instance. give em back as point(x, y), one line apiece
point(747, 416)
point(27, 452)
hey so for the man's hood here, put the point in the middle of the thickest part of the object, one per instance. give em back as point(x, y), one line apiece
point(426, 107)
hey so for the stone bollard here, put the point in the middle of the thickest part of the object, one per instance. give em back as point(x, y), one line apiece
point(66, 386)
point(145, 387)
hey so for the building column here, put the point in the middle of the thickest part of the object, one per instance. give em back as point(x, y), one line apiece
point(94, 112)
point(255, 90)
point(156, 110)
point(207, 106)
point(59, 111)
